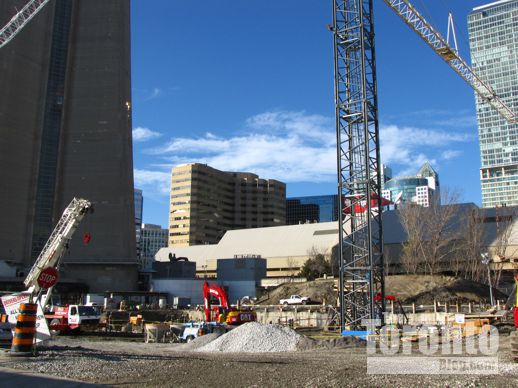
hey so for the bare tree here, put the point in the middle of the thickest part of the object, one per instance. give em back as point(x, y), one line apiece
point(431, 238)
point(467, 261)
point(440, 235)
point(410, 216)
point(292, 266)
point(504, 229)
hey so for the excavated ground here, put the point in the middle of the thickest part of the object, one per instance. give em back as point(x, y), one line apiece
point(419, 289)
point(137, 364)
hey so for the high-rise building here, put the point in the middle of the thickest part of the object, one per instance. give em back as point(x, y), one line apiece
point(493, 31)
point(386, 175)
point(65, 124)
point(139, 206)
point(420, 188)
point(206, 202)
point(153, 238)
point(317, 208)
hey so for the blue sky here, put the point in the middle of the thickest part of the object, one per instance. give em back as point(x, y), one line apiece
point(248, 86)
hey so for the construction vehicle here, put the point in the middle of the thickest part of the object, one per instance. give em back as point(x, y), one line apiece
point(73, 319)
point(295, 299)
point(224, 313)
point(44, 274)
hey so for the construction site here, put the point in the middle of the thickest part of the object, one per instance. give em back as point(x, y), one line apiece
point(368, 310)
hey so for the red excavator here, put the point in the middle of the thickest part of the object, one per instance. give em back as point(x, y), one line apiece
point(223, 313)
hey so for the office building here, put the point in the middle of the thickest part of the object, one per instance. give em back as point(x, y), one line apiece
point(421, 188)
point(386, 175)
point(153, 237)
point(206, 202)
point(493, 32)
point(65, 121)
point(318, 208)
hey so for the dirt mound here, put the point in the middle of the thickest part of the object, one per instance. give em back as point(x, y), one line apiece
point(423, 289)
point(254, 337)
point(318, 290)
point(420, 289)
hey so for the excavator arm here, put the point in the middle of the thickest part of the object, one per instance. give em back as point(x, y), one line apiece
point(18, 21)
point(219, 293)
point(407, 12)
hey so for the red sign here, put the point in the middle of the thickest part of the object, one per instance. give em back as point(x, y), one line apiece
point(48, 277)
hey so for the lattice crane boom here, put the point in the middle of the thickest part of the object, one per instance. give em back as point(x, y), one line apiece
point(407, 12)
point(18, 21)
point(57, 243)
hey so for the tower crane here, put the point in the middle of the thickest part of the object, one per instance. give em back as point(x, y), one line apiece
point(408, 13)
point(18, 21)
point(358, 151)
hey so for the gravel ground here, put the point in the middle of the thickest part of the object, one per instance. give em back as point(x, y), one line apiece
point(136, 364)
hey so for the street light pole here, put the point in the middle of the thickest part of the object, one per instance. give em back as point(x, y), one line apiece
point(486, 260)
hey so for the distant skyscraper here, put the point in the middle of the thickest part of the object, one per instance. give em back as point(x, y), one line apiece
point(139, 205)
point(153, 238)
point(419, 188)
point(317, 208)
point(206, 202)
point(65, 131)
point(386, 175)
point(493, 30)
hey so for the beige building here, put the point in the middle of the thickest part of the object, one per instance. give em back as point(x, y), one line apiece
point(206, 202)
point(285, 248)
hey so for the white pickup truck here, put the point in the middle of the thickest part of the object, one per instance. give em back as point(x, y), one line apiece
point(295, 299)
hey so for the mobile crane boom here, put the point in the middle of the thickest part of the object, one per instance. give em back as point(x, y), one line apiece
point(57, 243)
point(407, 12)
point(18, 21)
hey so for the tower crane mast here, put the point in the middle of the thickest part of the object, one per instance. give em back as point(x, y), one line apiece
point(409, 14)
point(18, 21)
point(360, 247)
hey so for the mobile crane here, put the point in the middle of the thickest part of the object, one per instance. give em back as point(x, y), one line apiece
point(45, 272)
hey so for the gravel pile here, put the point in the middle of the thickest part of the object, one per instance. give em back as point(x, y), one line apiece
point(198, 342)
point(254, 337)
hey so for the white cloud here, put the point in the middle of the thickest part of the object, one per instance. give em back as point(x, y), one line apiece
point(437, 118)
point(156, 92)
point(155, 181)
point(289, 146)
point(450, 154)
point(144, 134)
point(296, 147)
point(409, 147)
point(311, 127)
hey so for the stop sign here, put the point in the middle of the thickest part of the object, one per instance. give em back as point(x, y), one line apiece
point(48, 277)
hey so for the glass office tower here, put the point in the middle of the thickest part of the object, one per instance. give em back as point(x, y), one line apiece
point(493, 30)
point(317, 208)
